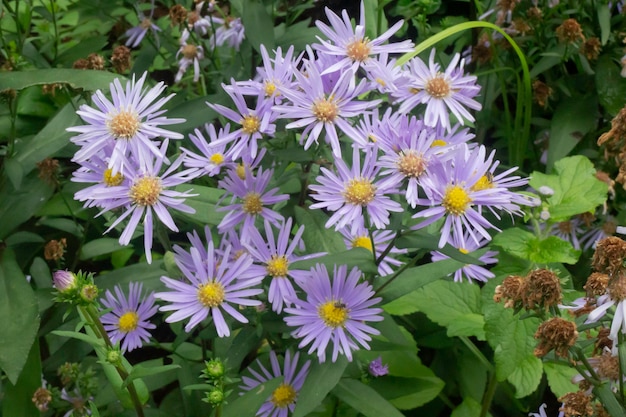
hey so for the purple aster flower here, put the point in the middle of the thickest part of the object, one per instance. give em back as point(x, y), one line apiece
point(601, 231)
point(215, 285)
point(283, 399)
point(128, 124)
point(128, 322)
point(455, 197)
point(334, 312)
point(213, 157)
point(230, 32)
point(252, 199)
point(192, 54)
point(254, 123)
point(357, 236)
point(137, 33)
point(232, 238)
point(466, 245)
point(450, 91)
point(569, 231)
point(146, 192)
point(184, 257)
point(354, 190)
point(78, 401)
point(376, 367)
point(276, 72)
point(276, 255)
point(384, 75)
point(315, 109)
point(542, 412)
point(64, 280)
point(351, 44)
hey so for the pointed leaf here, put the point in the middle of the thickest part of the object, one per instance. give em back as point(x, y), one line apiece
point(364, 399)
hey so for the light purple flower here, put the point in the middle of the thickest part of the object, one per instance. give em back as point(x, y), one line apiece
point(215, 285)
point(283, 399)
point(64, 280)
point(230, 32)
point(276, 72)
point(334, 312)
point(137, 33)
point(192, 54)
point(128, 322)
point(213, 157)
point(607, 228)
point(128, 124)
point(466, 245)
point(376, 367)
point(542, 412)
point(442, 92)
point(351, 44)
point(569, 231)
point(252, 199)
point(350, 192)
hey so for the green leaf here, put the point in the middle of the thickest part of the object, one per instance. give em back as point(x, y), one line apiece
point(321, 379)
point(90, 339)
point(560, 378)
point(526, 376)
point(140, 371)
point(20, 206)
point(609, 400)
point(576, 189)
point(99, 247)
point(17, 398)
point(87, 80)
point(316, 237)
point(359, 257)
point(610, 85)
point(468, 408)
point(525, 245)
point(18, 307)
point(14, 171)
point(548, 60)
point(252, 400)
point(257, 21)
point(364, 399)
point(573, 119)
point(455, 305)
point(205, 204)
point(604, 20)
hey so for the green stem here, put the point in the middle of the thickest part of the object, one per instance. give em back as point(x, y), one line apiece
point(479, 355)
point(489, 393)
point(397, 273)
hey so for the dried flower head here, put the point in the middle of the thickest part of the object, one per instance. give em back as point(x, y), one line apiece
point(603, 340)
point(609, 255)
point(607, 365)
point(55, 249)
point(534, 13)
point(617, 286)
point(569, 31)
point(120, 59)
point(555, 334)
point(576, 404)
point(618, 129)
point(542, 290)
point(178, 14)
point(482, 52)
point(41, 398)
point(541, 93)
point(591, 48)
point(48, 169)
point(96, 62)
point(50, 89)
point(81, 63)
point(510, 291)
point(597, 284)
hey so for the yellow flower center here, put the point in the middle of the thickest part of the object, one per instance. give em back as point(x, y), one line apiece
point(363, 242)
point(124, 124)
point(146, 191)
point(283, 396)
point(241, 171)
point(278, 266)
point(463, 251)
point(325, 110)
point(190, 51)
point(359, 50)
point(359, 192)
point(483, 183)
point(438, 87)
point(333, 313)
point(217, 158)
point(411, 164)
point(112, 180)
point(438, 142)
point(252, 203)
point(250, 124)
point(146, 23)
point(381, 82)
point(456, 200)
point(270, 88)
point(211, 294)
point(128, 321)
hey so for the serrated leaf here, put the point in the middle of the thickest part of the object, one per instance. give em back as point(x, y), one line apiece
point(321, 379)
point(18, 307)
point(407, 393)
point(576, 188)
point(468, 408)
point(364, 399)
point(610, 85)
point(455, 305)
point(560, 378)
point(525, 245)
point(526, 376)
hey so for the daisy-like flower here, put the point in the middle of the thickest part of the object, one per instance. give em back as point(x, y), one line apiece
point(95, 171)
point(351, 44)
point(192, 54)
point(276, 255)
point(450, 91)
point(252, 199)
point(128, 321)
point(213, 157)
point(128, 123)
point(275, 72)
point(569, 231)
point(137, 33)
point(455, 196)
point(230, 32)
point(316, 109)
point(542, 412)
point(376, 367)
point(283, 399)
point(354, 190)
point(146, 192)
point(215, 285)
point(466, 245)
point(334, 312)
point(606, 229)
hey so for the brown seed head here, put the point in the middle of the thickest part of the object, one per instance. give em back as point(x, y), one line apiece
point(482, 52)
point(542, 290)
point(81, 63)
point(178, 14)
point(597, 284)
point(55, 249)
point(96, 62)
point(617, 286)
point(510, 291)
point(120, 59)
point(603, 340)
point(607, 366)
point(541, 93)
point(534, 13)
point(591, 48)
point(576, 404)
point(609, 255)
point(569, 31)
point(555, 334)
point(41, 399)
point(48, 169)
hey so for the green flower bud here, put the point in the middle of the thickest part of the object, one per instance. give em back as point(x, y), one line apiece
point(214, 369)
point(89, 293)
point(215, 396)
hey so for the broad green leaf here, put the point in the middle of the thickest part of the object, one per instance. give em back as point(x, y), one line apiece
point(257, 21)
point(359, 257)
point(604, 20)
point(17, 397)
point(421, 240)
point(141, 371)
point(18, 307)
point(18, 238)
point(21, 206)
point(14, 171)
point(321, 379)
point(65, 225)
point(573, 119)
point(609, 400)
point(610, 85)
point(526, 376)
point(251, 400)
point(455, 305)
point(560, 378)
point(548, 60)
point(92, 340)
point(468, 408)
point(99, 247)
point(299, 35)
point(315, 236)
point(87, 80)
point(148, 274)
point(576, 189)
point(525, 245)
point(364, 399)
point(205, 204)
point(406, 393)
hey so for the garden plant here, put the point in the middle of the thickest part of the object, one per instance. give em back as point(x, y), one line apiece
point(312, 208)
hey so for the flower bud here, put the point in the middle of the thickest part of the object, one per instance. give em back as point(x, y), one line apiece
point(64, 280)
point(214, 369)
point(215, 397)
point(89, 293)
point(546, 191)
point(114, 357)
